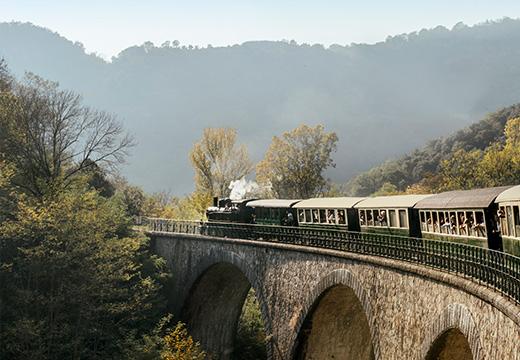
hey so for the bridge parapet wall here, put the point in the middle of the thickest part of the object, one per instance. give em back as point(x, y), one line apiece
point(407, 306)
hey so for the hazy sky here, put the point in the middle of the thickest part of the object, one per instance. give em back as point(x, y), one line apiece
point(108, 26)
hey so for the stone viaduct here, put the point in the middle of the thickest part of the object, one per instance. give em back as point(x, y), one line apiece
point(327, 304)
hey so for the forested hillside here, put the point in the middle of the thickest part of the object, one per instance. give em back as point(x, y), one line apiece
point(382, 100)
point(412, 168)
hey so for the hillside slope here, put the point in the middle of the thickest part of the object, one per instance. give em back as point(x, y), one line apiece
point(383, 100)
point(413, 167)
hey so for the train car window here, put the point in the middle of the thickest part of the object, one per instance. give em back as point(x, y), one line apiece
point(510, 221)
point(469, 222)
point(423, 221)
point(435, 221)
point(460, 223)
point(331, 216)
point(442, 221)
point(375, 217)
point(403, 219)
point(453, 222)
point(429, 221)
point(301, 215)
point(480, 224)
point(382, 218)
point(342, 219)
point(392, 218)
point(502, 219)
point(362, 218)
point(315, 216)
point(323, 216)
point(370, 220)
point(516, 214)
point(308, 216)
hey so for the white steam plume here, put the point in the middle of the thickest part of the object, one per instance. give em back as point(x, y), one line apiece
point(239, 188)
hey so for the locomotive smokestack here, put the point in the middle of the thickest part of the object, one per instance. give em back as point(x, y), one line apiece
point(215, 201)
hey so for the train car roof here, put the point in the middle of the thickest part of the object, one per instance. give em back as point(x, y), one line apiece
point(511, 194)
point(272, 203)
point(462, 199)
point(391, 201)
point(328, 203)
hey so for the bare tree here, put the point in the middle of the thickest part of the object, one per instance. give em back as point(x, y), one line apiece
point(50, 136)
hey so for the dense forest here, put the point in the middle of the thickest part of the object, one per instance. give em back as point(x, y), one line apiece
point(382, 100)
point(430, 160)
point(77, 279)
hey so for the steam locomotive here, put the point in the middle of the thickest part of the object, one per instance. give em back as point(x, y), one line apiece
point(487, 217)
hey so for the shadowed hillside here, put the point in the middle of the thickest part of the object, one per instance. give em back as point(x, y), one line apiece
point(420, 163)
point(382, 100)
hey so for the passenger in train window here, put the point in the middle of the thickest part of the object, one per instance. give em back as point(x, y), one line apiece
point(462, 224)
point(480, 229)
point(290, 218)
point(341, 217)
point(453, 222)
point(330, 217)
point(382, 218)
point(301, 215)
point(362, 218)
point(369, 218)
point(315, 216)
point(499, 217)
point(446, 225)
point(468, 222)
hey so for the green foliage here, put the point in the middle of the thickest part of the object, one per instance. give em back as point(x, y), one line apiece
point(460, 171)
point(294, 163)
point(427, 162)
point(387, 189)
point(497, 165)
point(165, 343)
point(250, 342)
point(179, 345)
point(75, 281)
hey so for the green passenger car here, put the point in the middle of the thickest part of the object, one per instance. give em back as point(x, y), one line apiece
point(508, 215)
point(393, 215)
point(328, 213)
point(465, 216)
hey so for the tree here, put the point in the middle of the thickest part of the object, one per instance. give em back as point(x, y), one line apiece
point(179, 345)
point(218, 160)
point(459, 172)
point(5, 78)
point(50, 137)
point(497, 165)
point(500, 164)
point(295, 162)
point(387, 189)
point(75, 280)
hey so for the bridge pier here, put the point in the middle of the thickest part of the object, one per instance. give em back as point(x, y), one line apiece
point(373, 308)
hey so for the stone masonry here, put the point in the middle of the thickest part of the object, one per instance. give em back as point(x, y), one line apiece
point(405, 307)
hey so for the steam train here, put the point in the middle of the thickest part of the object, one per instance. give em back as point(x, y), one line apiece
point(487, 217)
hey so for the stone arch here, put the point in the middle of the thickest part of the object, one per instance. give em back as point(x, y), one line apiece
point(230, 276)
point(455, 318)
point(339, 277)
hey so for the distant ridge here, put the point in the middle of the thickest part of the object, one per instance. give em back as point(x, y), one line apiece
point(383, 100)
